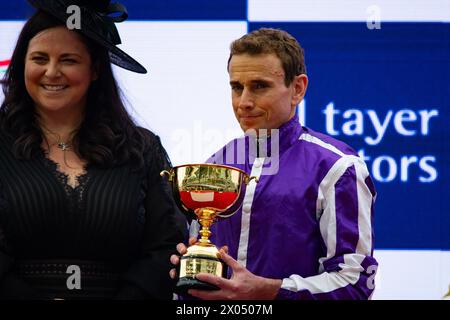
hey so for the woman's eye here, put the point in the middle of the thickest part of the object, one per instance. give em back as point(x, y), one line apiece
point(39, 59)
point(69, 61)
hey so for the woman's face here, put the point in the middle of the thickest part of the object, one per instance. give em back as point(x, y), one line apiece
point(58, 71)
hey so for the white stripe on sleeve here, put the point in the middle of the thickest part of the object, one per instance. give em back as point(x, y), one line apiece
point(351, 268)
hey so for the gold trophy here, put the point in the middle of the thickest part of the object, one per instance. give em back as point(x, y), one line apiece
point(207, 192)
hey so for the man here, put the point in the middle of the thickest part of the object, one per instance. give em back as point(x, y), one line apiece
point(305, 229)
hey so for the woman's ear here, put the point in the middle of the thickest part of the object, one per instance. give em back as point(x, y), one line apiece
point(95, 71)
point(94, 75)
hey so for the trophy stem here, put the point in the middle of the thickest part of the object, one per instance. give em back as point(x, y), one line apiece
point(205, 218)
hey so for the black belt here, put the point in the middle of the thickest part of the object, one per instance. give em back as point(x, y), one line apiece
point(59, 278)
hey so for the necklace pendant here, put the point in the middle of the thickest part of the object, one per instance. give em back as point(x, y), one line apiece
point(63, 146)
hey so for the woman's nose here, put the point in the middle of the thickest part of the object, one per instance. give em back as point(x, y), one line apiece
point(53, 70)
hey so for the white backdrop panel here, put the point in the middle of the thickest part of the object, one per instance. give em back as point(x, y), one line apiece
point(348, 10)
point(412, 274)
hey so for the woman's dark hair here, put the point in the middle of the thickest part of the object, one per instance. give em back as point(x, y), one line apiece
point(107, 137)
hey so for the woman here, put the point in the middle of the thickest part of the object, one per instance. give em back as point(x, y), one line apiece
point(83, 210)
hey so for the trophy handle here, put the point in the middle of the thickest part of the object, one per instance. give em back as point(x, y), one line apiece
point(165, 172)
point(227, 215)
point(247, 179)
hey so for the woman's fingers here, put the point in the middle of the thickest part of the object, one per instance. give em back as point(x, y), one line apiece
point(181, 248)
point(192, 240)
point(174, 259)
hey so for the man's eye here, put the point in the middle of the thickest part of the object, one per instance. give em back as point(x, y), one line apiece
point(260, 86)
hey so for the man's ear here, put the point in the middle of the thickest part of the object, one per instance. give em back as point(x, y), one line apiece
point(299, 85)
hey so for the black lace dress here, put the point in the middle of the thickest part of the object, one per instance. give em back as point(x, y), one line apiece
point(117, 228)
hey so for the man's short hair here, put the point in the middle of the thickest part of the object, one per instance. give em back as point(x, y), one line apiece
point(273, 41)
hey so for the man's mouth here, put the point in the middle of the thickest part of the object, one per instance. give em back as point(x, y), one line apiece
point(249, 116)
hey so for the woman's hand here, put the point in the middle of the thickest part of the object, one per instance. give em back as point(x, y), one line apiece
point(175, 259)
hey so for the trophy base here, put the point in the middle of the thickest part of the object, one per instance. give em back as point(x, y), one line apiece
point(186, 283)
point(200, 258)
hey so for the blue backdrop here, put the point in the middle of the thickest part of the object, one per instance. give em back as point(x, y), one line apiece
point(402, 66)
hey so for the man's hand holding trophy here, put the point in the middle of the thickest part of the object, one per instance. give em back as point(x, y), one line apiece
point(209, 192)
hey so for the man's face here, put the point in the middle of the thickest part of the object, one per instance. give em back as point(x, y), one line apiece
point(260, 97)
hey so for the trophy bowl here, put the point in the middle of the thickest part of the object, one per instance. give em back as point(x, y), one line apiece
point(206, 192)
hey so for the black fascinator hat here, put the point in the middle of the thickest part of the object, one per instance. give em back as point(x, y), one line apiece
point(97, 22)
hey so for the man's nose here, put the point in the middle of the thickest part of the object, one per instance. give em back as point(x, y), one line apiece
point(246, 100)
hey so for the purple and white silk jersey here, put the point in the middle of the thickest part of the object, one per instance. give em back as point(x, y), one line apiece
point(311, 223)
